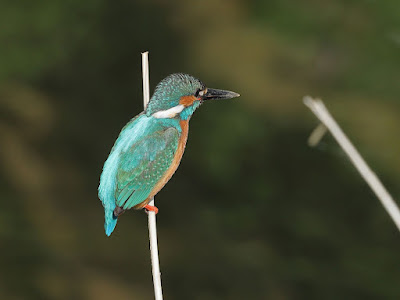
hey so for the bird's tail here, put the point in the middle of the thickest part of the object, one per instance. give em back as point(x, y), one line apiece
point(110, 222)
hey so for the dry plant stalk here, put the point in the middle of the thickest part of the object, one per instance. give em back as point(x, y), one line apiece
point(155, 264)
point(322, 113)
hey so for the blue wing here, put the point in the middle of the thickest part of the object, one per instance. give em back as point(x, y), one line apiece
point(143, 165)
point(142, 153)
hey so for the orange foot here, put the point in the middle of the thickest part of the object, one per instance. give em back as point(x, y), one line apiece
point(151, 208)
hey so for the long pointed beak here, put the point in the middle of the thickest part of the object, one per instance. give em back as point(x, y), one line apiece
point(214, 94)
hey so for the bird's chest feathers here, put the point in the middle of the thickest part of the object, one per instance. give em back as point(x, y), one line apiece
point(184, 124)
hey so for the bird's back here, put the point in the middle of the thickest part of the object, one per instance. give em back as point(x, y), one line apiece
point(142, 160)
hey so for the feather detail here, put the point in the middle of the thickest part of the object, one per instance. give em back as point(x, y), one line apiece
point(184, 124)
point(169, 113)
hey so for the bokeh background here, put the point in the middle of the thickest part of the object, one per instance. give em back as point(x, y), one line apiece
point(252, 212)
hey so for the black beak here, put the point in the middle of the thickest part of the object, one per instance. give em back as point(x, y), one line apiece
point(214, 94)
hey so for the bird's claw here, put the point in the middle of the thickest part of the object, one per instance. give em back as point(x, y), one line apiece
point(151, 208)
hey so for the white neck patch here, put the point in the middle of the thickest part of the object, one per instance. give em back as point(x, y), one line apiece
point(169, 113)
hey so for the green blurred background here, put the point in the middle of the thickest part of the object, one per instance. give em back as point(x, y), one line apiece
point(252, 212)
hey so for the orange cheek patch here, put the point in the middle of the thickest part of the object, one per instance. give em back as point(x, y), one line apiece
point(187, 100)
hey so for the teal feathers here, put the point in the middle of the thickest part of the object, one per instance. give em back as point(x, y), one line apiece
point(145, 162)
point(140, 156)
point(188, 112)
point(110, 224)
point(169, 91)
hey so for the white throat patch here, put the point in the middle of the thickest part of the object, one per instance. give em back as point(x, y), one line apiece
point(169, 113)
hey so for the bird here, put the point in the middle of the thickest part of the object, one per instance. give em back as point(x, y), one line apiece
point(150, 146)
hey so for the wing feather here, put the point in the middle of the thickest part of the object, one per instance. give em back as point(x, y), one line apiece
point(143, 165)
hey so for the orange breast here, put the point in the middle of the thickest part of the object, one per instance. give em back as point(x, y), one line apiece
point(174, 165)
point(187, 100)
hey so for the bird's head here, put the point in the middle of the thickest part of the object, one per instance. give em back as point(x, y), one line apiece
point(180, 95)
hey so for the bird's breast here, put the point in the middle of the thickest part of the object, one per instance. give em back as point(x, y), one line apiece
point(184, 124)
point(182, 143)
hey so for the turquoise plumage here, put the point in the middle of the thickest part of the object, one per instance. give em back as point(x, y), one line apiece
point(149, 148)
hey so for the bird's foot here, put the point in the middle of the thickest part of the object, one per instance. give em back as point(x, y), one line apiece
point(151, 208)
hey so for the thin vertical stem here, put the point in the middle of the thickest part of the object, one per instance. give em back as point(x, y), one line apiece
point(155, 264)
point(145, 71)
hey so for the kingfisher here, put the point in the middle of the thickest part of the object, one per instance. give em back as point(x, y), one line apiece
point(150, 146)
